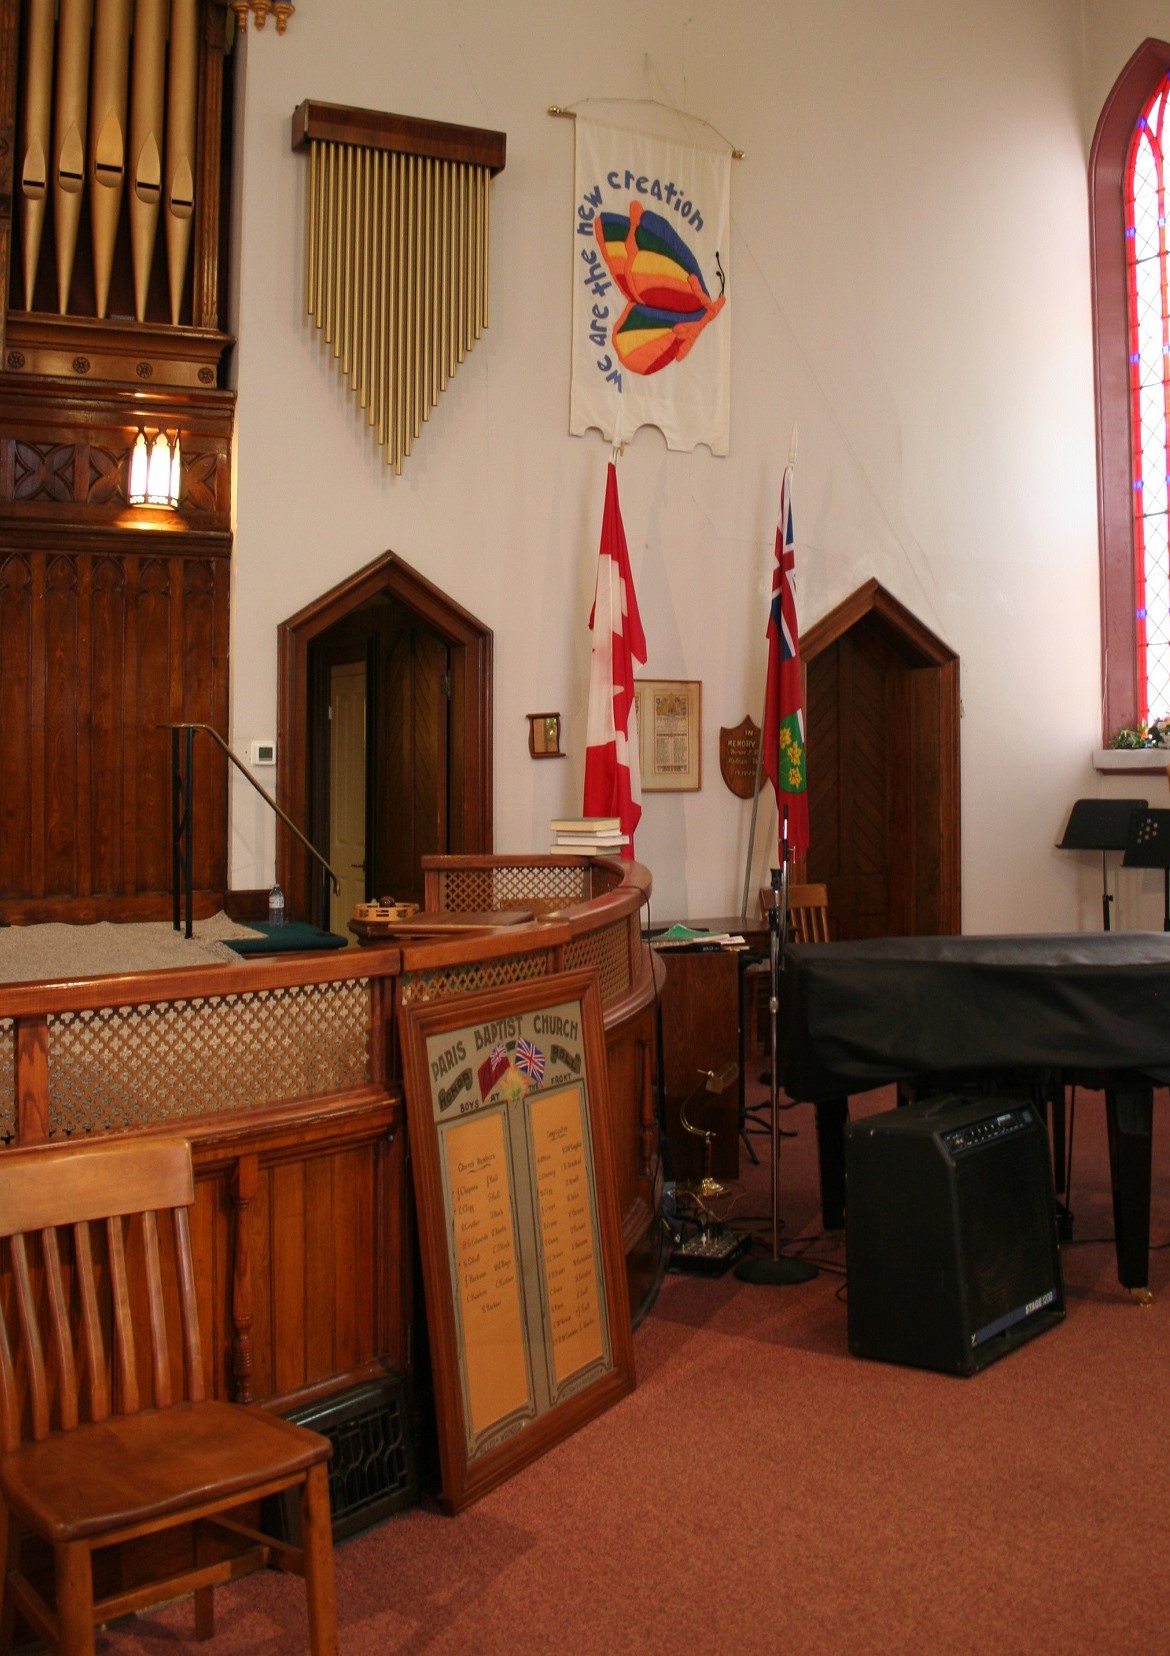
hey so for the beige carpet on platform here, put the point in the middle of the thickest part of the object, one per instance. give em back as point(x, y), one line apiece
point(52, 953)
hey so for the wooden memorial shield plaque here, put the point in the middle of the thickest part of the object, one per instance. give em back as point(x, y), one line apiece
point(738, 750)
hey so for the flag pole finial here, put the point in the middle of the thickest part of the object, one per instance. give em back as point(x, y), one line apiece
point(792, 446)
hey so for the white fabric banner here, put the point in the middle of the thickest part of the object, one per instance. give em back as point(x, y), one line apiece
point(651, 317)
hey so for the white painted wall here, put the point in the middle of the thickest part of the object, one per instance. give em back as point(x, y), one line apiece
point(909, 281)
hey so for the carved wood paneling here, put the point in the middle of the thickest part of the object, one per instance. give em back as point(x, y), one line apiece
point(99, 653)
point(113, 621)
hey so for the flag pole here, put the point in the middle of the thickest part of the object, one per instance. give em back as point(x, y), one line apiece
point(751, 849)
point(747, 873)
point(779, 1270)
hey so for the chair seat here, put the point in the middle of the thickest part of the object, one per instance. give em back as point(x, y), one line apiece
point(139, 1468)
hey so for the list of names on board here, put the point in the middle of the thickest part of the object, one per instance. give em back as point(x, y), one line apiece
point(566, 1233)
point(487, 1283)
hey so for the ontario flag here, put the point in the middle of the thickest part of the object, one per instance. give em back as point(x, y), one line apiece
point(783, 737)
point(613, 782)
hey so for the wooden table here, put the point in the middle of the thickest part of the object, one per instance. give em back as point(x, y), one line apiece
point(700, 1015)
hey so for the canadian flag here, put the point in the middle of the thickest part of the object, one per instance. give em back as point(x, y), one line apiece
point(613, 781)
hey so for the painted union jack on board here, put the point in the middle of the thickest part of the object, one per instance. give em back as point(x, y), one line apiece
point(530, 1061)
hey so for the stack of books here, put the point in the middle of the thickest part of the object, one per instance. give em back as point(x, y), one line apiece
point(587, 834)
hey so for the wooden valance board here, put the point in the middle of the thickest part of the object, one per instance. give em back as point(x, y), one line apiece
point(523, 1264)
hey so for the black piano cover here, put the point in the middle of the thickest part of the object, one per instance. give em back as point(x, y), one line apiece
point(859, 1015)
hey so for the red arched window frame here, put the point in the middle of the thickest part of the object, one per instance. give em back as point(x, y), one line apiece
point(1122, 695)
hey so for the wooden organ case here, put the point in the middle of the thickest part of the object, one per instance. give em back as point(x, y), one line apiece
point(113, 616)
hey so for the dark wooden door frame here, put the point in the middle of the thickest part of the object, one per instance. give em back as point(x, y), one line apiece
point(470, 755)
point(932, 654)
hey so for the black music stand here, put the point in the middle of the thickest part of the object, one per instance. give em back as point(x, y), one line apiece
point(780, 1269)
point(1101, 825)
point(1148, 846)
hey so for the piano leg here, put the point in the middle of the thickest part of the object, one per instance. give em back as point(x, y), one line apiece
point(1129, 1112)
point(831, 1118)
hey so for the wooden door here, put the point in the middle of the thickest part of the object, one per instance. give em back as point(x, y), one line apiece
point(411, 746)
point(882, 709)
point(347, 789)
point(857, 804)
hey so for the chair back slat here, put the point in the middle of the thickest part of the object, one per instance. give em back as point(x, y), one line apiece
point(188, 1306)
point(159, 1349)
point(93, 1343)
point(34, 1351)
point(125, 1353)
point(60, 1336)
point(9, 1402)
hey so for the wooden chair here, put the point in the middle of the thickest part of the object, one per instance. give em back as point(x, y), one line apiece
point(808, 922)
point(808, 913)
point(91, 1296)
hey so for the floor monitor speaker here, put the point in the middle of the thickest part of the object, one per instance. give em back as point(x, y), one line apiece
point(950, 1233)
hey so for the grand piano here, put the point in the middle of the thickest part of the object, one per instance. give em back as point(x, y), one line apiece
point(1034, 1012)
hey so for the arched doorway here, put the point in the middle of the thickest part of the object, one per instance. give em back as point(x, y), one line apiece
point(427, 682)
point(882, 706)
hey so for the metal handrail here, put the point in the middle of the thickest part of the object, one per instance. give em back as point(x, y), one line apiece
point(265, 796)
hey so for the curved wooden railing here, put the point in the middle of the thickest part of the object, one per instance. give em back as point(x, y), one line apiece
point(284, 1073)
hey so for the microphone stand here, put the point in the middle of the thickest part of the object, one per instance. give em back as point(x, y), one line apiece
point(778, 1270)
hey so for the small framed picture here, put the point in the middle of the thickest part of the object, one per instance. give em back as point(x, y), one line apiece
point(669, 734)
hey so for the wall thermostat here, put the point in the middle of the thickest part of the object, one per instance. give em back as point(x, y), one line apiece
point(264, 753)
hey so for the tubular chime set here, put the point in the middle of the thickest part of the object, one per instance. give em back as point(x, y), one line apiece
point(101, 115)
point(397, 258)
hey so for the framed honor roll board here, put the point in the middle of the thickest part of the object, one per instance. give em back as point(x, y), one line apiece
point(523, 1263)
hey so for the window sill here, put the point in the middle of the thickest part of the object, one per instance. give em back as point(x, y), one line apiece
point(1131, 759)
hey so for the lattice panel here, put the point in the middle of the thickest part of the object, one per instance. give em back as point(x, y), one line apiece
point(517, 885)
point(609, 950)
point(473, 975)
point(130, 1066)
point(466, 890)
point(7, 1082)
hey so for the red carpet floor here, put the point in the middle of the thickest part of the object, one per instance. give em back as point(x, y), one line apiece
point(763, 1491)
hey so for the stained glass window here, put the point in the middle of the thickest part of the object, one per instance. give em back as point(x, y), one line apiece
point(1149, 380)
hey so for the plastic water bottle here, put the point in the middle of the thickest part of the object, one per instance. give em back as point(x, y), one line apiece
point(276, 906)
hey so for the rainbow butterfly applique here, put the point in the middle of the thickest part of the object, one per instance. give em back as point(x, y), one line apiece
point(669, 305)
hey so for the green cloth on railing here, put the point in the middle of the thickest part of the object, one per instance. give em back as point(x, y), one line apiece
point(293, 935)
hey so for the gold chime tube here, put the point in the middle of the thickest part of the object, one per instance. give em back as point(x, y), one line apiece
point(486, 232)
point(107, 137)
point(329, 242)
point(398, 425)
point(384, 296)
point(312, 230)
point(146, 133)
point(346, 341)
point(444, 277)
point(70, 105)
point(36, 134)
point(179, 192)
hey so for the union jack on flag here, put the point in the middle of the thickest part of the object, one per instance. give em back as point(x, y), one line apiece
point(530, 1061)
